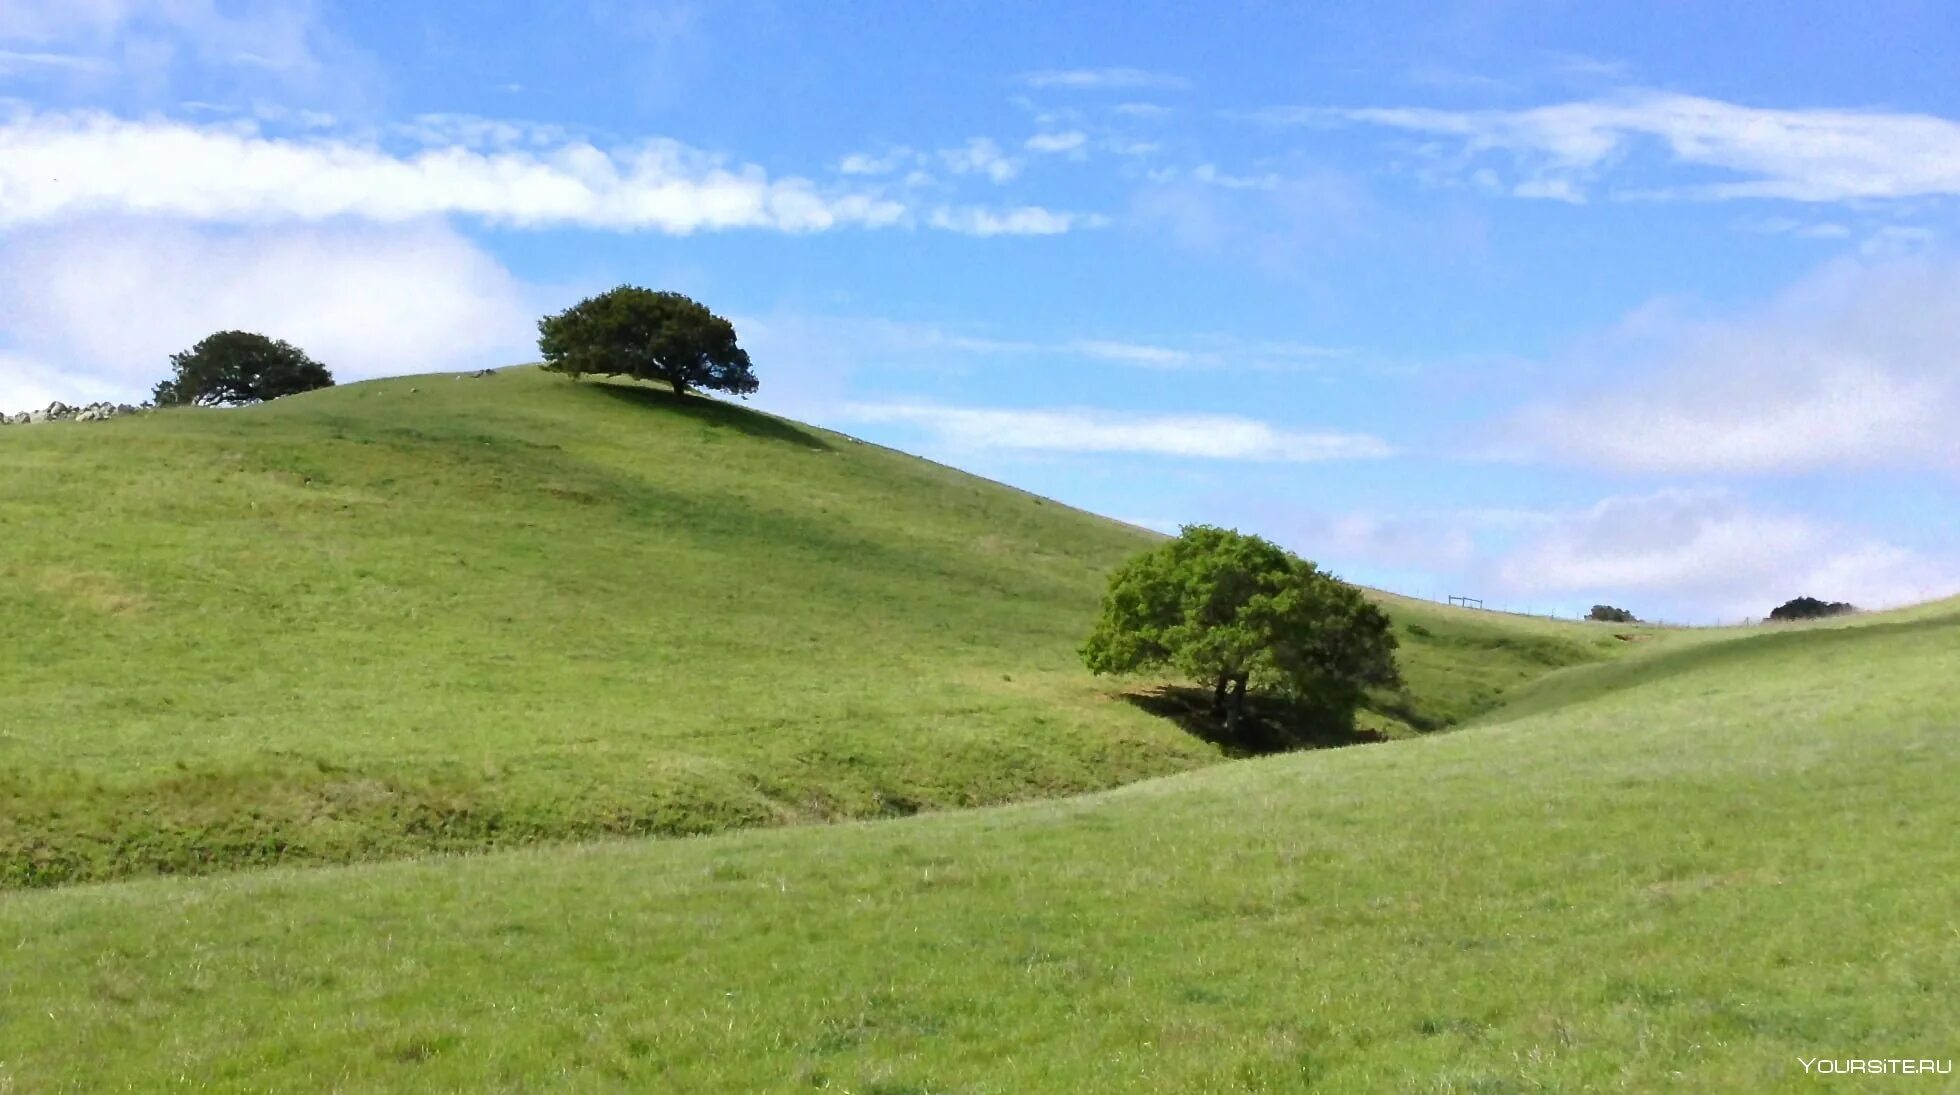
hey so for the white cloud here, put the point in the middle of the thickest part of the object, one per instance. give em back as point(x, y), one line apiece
point(1070, 141)
point(1026, 220)
point(1709, 550)
point(868, 163)
point(62, 166)
point(1811, 155)
point(1205, 436)
point(30, 385)
point(981, 156)
point(366, 302)
point(1857, 365)
point(1097, 79)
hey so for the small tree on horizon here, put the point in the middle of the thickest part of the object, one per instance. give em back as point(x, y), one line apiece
point(1809, 608)
point(1610, 614)
point(238, 367)
point(1237, 612)
point(647, 335)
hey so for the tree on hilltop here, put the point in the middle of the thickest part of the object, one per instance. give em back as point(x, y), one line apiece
point(1611, 614)
point(647, 335)
point(235, 367)
point(1809, 608)
point(1237, 612)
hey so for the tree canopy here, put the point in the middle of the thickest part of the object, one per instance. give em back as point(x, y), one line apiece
point(647, 335)
point(1810, 608)
point(1237, 612)
point(1611, 614)
point(234, 367)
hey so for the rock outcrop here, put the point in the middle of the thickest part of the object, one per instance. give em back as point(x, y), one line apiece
point(62, 412)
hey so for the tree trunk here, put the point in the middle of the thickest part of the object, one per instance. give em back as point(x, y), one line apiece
point(1218, 698)
point(1235, 706)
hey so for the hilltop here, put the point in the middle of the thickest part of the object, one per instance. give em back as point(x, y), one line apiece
point(452, 612)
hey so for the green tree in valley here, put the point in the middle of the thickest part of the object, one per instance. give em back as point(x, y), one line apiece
point(234, 367)
point(647, 335)
point(1238, 613)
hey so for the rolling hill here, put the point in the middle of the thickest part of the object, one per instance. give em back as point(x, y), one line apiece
point(448, 613)
point(1673, 873)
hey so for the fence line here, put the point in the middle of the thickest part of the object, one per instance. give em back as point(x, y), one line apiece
point(1457, 600)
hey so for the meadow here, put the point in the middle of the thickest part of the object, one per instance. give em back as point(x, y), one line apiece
point(1672, 873)
point(487, 709)
point(446, 613)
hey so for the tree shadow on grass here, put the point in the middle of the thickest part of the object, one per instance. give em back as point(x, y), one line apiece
point(709, 412)
point(1272, 724)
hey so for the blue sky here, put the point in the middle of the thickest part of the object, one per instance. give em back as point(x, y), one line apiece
point(1546, 303)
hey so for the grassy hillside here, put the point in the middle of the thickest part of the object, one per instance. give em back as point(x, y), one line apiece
point(453, 613)
point(1689, 882)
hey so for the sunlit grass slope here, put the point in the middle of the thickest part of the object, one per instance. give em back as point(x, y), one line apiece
point(1683, 884)
point(451, 613)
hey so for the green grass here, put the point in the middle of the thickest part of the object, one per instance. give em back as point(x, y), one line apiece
point(435, 613)
point(1683, 874)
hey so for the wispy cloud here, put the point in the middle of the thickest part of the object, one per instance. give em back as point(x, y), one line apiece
point(1200, 436)
point(18, 61)
point(1685, 554)
point(150, 46)
point(1070, 141)
point(1026, 220)
point(1709, 548)
point(1210, 175)
point(1852, 366)
point(1098, 79)
point(1808, 155)
point(980, 156)
point(877, 163)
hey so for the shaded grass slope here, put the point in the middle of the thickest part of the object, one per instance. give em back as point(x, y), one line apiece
point(443, 613)
point(1686, 883)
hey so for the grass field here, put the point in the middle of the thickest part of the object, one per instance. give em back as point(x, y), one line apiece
point(436, 613)
point(1674, 873)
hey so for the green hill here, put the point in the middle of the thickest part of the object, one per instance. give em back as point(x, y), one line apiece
point(446, 613)
point(1683, 874)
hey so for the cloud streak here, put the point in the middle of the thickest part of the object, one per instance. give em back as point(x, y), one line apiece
point(67, 166)
point(1103, 79)
point(1805, 155)
point(1199, 436)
